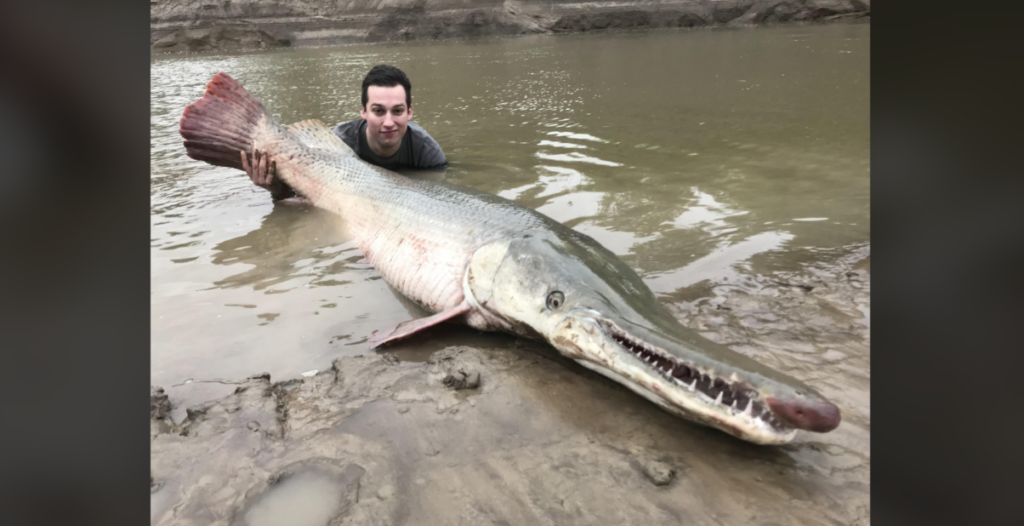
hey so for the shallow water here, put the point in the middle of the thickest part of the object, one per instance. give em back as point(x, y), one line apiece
point(701, 158)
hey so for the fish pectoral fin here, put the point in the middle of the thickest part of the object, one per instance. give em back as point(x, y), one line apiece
point(409, 327)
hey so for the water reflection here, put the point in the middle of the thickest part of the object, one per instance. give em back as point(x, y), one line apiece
point(707, 213)
point(562, 180)
point(720, 264)
point(579, 136)
point(561, 144)
point(575, 157)
point(569, 207)
point(620, 243)
point(303, 248)
point(291, 242)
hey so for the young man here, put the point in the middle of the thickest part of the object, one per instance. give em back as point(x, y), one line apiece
point(383, 136)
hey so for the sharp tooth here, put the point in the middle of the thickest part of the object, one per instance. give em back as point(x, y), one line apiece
point(692, 386)
point(749, 411)
point(718, 400)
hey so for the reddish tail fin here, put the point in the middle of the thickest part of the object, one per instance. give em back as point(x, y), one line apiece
point(222, 123)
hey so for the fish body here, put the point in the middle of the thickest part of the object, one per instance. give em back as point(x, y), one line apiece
point(492, 264)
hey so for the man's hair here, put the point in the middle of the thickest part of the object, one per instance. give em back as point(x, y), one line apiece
point(386, 77)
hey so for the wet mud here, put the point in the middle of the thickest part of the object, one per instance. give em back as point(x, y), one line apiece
point(513, 433)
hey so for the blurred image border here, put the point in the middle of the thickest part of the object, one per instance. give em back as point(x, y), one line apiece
point(946, 242)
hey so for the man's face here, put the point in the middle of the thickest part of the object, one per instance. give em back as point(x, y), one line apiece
point(386, 115)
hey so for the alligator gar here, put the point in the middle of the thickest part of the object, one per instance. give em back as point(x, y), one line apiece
point(482, 260)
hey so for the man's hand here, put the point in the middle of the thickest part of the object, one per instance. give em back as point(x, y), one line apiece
point(263, 173)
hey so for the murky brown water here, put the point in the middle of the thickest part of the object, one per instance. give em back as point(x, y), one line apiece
point(702, 158)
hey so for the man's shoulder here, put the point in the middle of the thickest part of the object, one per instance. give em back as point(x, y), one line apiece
point(417, 129)
point(349, 132)
point(428, 153)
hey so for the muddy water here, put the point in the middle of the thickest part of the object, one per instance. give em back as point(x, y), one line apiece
point(728, 167)
point(306, 499)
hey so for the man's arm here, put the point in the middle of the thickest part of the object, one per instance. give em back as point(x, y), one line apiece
point(433, 159)
point(263, 174)
point(348, 131)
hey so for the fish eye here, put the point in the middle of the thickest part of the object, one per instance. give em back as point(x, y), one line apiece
point(555, 300)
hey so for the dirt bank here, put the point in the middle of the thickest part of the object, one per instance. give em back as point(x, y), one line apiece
point(229, 25)
point(516, 434)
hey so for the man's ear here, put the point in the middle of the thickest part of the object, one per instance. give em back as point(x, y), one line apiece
point(362, 113)
point(410, 112)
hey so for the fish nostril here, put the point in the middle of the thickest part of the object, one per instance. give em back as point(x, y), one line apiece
point(819, 417)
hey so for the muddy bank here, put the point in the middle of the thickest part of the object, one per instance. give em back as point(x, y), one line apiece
point(230, 25)
point(516, 434)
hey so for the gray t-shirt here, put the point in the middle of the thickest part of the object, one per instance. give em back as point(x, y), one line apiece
point(418, 149)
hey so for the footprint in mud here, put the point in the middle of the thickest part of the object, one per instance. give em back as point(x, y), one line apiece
point(307, 495)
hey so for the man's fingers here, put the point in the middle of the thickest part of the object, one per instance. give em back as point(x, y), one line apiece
point(257, 177)
point(260, 169)
point(245, 164)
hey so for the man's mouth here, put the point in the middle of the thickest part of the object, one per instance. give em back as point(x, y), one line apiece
point(388, 133)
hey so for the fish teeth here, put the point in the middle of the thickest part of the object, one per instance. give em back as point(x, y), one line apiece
point(718, 399)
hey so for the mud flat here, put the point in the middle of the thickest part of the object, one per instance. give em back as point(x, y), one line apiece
point(520, 435)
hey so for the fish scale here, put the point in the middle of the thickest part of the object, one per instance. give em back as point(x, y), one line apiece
point(418, 234)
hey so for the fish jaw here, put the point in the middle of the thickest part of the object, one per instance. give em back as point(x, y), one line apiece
point(609, 321)
point(582, 337)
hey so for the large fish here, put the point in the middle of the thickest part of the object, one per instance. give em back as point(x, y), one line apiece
point(478, 259)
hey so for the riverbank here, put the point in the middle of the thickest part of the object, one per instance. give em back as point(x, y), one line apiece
point(233, 25)
point(517, 434)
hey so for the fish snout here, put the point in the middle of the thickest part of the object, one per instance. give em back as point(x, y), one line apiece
point(818, 416)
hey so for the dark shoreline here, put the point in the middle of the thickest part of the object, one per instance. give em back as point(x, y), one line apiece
point(256, 25)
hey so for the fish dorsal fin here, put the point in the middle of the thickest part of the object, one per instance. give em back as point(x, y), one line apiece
point(315, 134)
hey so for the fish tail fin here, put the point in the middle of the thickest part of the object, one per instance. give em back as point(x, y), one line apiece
point(222, 123)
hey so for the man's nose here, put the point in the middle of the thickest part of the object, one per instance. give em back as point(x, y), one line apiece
point(388, 120)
